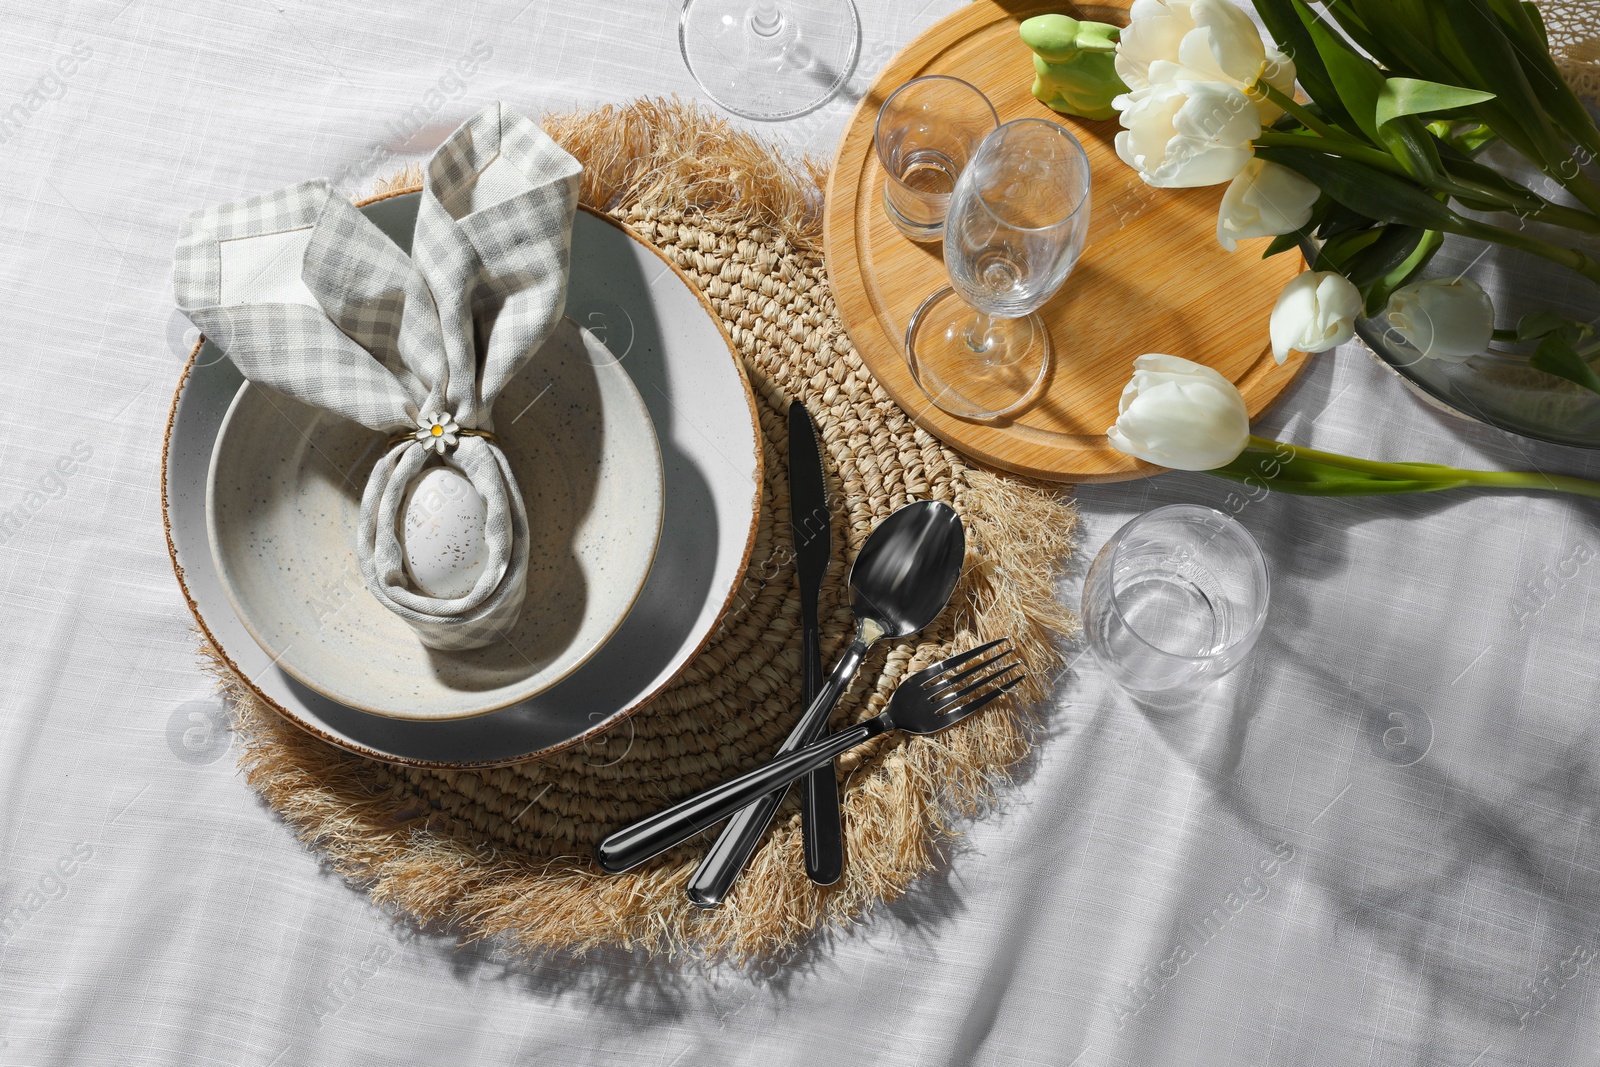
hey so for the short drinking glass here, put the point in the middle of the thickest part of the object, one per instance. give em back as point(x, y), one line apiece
point(927, 131)
point(1175, 599)
point(1018, 221)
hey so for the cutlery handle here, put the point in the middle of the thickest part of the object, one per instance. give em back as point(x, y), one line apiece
point(738, 840)
point(821, 825)
point(633, 845)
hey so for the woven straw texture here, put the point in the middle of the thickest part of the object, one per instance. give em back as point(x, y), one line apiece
point(505, 853)
point(1574, 29)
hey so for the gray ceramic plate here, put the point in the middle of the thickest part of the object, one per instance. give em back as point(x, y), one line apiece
point(283, 501)
point(704, 415)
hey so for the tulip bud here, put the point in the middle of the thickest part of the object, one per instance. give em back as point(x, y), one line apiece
point(1177, 413)
point(1265, 200)
point(1315, 312)
point(1443, 318)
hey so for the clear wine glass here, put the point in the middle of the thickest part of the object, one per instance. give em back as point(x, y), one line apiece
point(1018, 219)
point(770, 59)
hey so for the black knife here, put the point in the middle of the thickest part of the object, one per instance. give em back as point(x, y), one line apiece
point(811, 526)
point(813, 541)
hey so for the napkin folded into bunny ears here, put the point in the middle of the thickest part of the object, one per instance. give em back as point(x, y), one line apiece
point(309, 297)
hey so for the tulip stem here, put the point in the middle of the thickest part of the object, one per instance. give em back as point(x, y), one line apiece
point(1570, 258)
point(1366, 466)
point(1301, 114)
point(1571, 177)
point(1524, 202)
point(1542, 145)
point(1560, 483)
point(1362, 153)
point(1571, 218)
point(1433, 477)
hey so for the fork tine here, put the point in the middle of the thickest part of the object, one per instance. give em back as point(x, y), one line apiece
point(946, 683)
point(950, 663)
point(977, 703)
point(944, 701)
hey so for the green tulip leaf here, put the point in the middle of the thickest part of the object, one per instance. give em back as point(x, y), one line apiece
point(1558, 99)
point(1382, 256)
point(1281, 244)
point(1480, 45)
point(1524, 28)
point(1407, 35)
point(1411, 96)
point(1536, 20)
point(1523, 32)
point(1337, 253)
point(1350, 20)
point(1465, 138)
point(1355, 78)
point(1340, 219)
point(1459, 167)
point(1409, 141)
point(1556, 356)
point(1412, 15)
point(1366, 190)
point(1378, 294)
point(1479, 61)
point(1537, 324)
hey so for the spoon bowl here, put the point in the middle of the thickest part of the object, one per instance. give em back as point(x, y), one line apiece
point(907, 570)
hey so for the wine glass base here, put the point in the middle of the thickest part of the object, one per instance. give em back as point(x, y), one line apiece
point(768, 60)
point(991, 384)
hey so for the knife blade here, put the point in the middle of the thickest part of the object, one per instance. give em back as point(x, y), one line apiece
point(813, 543)
point(812, 530)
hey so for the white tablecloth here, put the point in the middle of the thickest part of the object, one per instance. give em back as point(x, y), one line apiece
point(1375, 844)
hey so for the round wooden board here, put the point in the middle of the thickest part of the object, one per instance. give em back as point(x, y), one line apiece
point(1154, 278)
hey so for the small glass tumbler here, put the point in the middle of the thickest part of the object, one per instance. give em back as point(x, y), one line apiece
point(927, 131)
point(1176, 599)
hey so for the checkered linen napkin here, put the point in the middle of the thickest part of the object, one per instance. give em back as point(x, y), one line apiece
point(309, 297)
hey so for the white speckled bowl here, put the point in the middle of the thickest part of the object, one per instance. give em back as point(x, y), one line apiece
point(712, 448)
point(283, 498)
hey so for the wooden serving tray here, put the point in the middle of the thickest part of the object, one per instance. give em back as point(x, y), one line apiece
point(1154, 278)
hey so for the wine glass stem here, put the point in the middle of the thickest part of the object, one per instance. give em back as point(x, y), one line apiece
point(766, 18)
point(979, 333)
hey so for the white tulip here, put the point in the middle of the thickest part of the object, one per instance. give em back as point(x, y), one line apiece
point(1176, 413)
point(1180, 135)
point(1200, 40)
point(1443, 318)
point(1265, 200)
point(1154, 34)
point(1315, 312)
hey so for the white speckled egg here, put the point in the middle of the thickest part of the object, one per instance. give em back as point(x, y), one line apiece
point(443, 533)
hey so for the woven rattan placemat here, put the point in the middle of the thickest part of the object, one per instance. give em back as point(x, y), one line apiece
point(505, 853)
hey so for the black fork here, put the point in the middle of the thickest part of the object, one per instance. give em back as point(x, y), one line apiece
point(928, 701)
